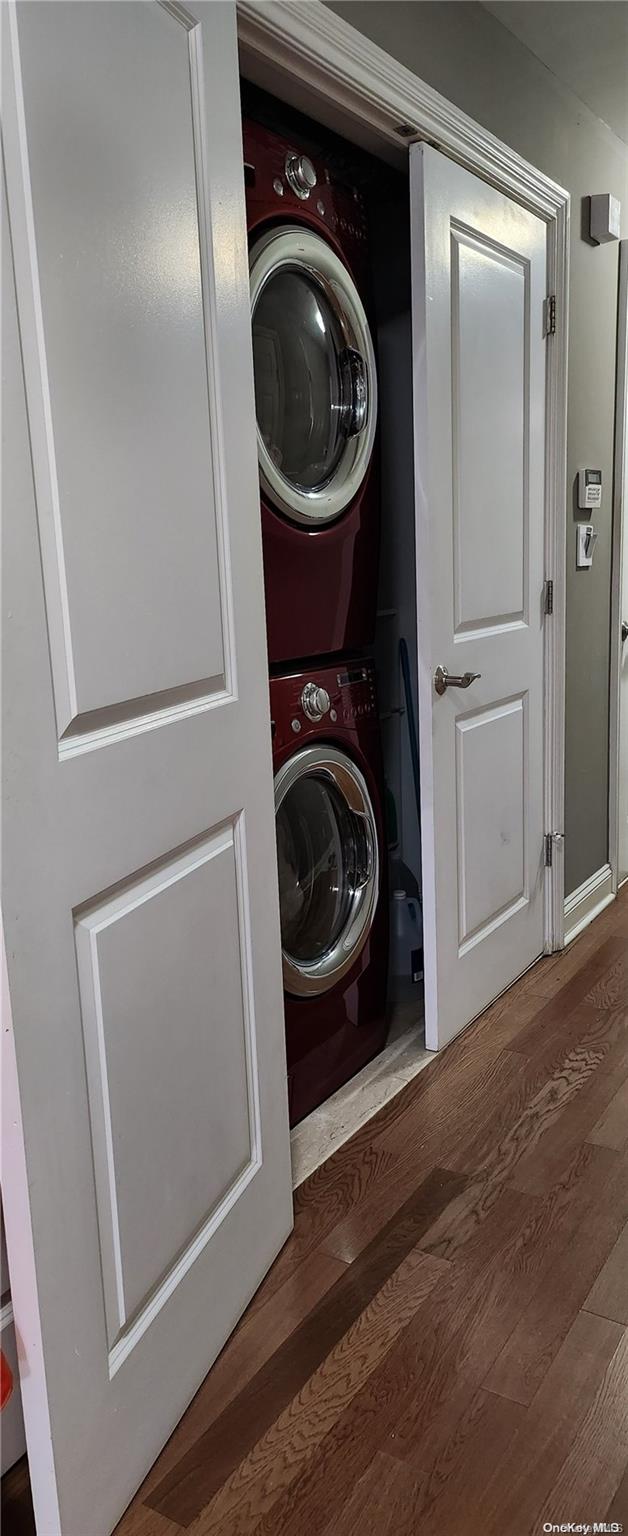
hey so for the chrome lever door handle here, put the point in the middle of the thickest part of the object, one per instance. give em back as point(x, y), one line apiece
point(443, 680)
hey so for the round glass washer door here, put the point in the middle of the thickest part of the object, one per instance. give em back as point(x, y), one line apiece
point(315, 380)
point(328, 867)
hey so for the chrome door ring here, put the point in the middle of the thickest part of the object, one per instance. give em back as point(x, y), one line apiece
point(291, 248)
point(300, 978)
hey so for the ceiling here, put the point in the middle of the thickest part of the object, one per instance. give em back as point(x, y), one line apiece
point(583, 42)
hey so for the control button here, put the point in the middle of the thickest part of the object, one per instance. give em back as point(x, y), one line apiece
point(320, 207)
point(278, 186)
point(333, 715)
point(300, 174)
point(315, 701)
point(296, 726)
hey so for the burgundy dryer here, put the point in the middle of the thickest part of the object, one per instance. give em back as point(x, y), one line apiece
point(332, 875)
point(316, 400)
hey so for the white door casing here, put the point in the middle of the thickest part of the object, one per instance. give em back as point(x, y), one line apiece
point(145, 1106)
point(622, 871)
point(479, 264)
point(618, 777)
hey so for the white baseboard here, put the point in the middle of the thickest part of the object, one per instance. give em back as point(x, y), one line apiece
point(590, 898)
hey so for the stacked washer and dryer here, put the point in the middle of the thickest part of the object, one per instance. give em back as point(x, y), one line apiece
point(316, 403)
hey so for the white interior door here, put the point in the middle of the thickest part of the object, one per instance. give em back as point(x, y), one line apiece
point(622, 383)
point(478, 295)
point(146, 1161)
point(623, 692)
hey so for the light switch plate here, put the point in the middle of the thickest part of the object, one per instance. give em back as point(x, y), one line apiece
point(586, 539)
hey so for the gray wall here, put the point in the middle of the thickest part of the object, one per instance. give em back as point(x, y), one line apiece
point(466, 54)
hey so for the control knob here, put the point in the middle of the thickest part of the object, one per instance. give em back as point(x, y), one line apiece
point(315, 701)
point(300, 174)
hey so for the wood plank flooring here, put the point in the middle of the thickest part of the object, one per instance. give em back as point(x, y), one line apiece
point(442, 1345)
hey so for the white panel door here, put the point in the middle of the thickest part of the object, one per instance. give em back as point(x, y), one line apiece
point(622, 492)
point(147, 1170)
point(623, 682)
point(623, 742)
point(478, 294)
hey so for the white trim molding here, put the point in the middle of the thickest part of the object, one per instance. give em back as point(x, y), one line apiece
point(304, 40)
point(312, 58)
point(620, 502)
point(588, 901)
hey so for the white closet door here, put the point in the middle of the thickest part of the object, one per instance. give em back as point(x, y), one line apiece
point(147, 1170)
point(479, 264)
point(622, 503)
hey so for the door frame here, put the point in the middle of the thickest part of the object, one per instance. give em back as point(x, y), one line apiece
point(619, 532)
point(319, 63)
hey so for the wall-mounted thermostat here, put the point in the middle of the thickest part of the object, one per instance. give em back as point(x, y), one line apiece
point(589, 489)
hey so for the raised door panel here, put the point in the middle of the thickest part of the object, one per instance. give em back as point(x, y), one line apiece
point(491, 771)
point(490, 433)
point(171, 1073)
point(125, 448)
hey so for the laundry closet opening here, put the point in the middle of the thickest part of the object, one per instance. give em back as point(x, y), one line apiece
point(329, 255)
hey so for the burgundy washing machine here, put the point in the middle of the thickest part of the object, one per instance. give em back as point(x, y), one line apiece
point(332, 875)
point(316, 401)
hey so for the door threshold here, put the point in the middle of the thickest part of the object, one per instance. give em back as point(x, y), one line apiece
point(335, 1121)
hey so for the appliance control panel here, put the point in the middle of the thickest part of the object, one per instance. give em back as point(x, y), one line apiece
point(319, 701)
point(356, 687)
point(281, 176)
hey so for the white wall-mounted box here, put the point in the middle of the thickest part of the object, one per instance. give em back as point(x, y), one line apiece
point(605, 217)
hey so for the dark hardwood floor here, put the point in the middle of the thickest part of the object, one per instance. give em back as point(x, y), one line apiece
point(442, 1345)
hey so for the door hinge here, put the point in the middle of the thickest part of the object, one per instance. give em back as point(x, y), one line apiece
point(548, 846)
point(548, 597)
point(550, 315)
